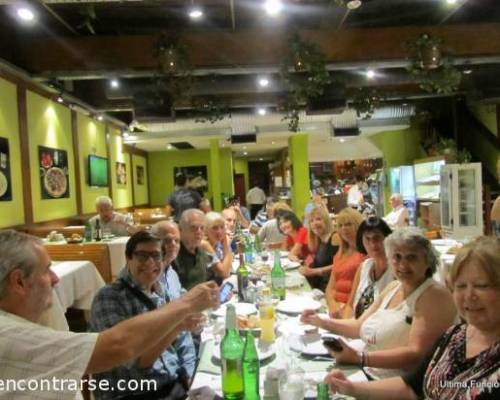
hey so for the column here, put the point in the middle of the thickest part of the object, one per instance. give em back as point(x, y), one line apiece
point(299, 158)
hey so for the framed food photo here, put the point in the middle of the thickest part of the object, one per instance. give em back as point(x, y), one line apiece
point(5, 179)
point(140, 174)
point(54, 180)
point(121, 173)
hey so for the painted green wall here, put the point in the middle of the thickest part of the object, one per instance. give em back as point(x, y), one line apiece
point(141, 192)
point(400, 147)
point(91, 140)
point(226, 162)
point(11, 212)
point(161, 171)
point(121, 194)
point(298, 145)
point(241, 167)
point(487, 115)
point(49, 124)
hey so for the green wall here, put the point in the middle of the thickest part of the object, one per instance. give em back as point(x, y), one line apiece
point(161, 171)
point(49, 124)
point(141, 192)
point(226, 162)
point(399, 147)
point(121, 194)
point(11, 212)
point(91, 140)
point(487, 115)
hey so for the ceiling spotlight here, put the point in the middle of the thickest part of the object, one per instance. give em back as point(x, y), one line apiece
point(353, 4)
point(342, 140)
point(60, 99)
point(370, 74)
point(169, 147)
point(467, 71)
point(100, 117)
point(114, 83)
point(262, 111)
point(263, 82)
point(25, 14)
point(195, 13)
point(273, 7)
point(245, 153)
point(261, 159)
point(125, 134)
point(451, 1)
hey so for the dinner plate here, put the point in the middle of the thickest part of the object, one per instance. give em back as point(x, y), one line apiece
point(297, 305)
point(241, 309)
point(289, 265)
point(265, 350)
point(4, 185)
point(310, 348)
point(294, 326)
point(294, 281)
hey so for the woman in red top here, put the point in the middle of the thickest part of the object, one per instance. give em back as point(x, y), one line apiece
point(345, 263)
point(296, 236)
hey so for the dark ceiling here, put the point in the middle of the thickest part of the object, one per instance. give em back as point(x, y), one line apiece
point(77, 46)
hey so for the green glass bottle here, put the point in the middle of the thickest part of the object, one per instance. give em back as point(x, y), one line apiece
point(322, 391)
point(251, 368)
point(257, 245)
point(231, 350)
point(242, 275)
point(278, 277)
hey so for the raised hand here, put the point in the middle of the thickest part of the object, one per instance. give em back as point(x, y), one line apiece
point(311, 317)
point(202, 296)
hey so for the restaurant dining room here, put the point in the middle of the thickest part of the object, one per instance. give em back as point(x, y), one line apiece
point(249, 199)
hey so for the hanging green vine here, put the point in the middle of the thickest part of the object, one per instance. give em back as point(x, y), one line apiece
point(210, 110)
point(365, 101)
point(304, 74)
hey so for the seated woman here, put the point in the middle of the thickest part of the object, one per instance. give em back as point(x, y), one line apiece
point(404, 322)
point(217, 245)
point(269, 234)
point(323, 245)
point(465, 364)
point(295, 241)
point(345, 263)
point(373, 275)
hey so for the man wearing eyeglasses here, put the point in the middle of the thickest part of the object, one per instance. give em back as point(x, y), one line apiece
point(138, 289)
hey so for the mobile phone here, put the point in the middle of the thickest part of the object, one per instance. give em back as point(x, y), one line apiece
point(225, 292)
point(333, 344)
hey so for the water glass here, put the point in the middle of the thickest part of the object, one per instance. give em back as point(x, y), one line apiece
point(291, 385)
point(106, 233)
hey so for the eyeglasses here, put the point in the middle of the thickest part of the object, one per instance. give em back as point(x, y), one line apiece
point(143, 256)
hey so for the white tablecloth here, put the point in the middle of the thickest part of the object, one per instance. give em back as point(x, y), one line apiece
point(79, 281)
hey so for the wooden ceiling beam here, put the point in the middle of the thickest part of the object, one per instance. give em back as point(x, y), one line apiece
point(250, 48)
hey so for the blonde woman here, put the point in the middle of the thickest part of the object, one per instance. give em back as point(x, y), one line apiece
point(345, 263)
point(217, 244)
point(323, 244)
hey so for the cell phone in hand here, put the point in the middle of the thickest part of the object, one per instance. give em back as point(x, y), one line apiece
point(333, 344)
point(225, 292)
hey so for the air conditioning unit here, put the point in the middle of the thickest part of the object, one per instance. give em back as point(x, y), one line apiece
point(244, 138)
point(342, 132)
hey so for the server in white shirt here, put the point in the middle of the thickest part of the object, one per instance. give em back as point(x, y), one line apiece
point(40, 363)
point(256, 198)
point(399, 215)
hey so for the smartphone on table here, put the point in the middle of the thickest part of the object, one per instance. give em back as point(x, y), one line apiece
point(225, 292)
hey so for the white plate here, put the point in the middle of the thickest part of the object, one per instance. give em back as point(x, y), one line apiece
point(294, 281)
point(295, 327)
point(283, 253)
point(309, 348)
point(265, 351)
point(444, 242)
point(297, 305)
point(288, 264)
point(241, 309)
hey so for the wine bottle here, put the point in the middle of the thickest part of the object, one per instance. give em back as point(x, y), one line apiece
point(231, 350)
point(278, 277)
point(242, 275)
point(97, 231)
point(250, 368)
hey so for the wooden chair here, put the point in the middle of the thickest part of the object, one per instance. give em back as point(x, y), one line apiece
point(97, 253)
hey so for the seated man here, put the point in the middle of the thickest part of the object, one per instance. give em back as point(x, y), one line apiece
point(110, 220)
point(26, 283)
point(192, 263)
point(137, 290)
point(399, 216)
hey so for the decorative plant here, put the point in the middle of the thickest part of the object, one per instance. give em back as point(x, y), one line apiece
point(448, 148)
point(365, 101)
point(304, 74)
point(432, 73)
point(210, 110)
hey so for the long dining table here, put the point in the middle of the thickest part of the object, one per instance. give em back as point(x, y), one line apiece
point(282, 353)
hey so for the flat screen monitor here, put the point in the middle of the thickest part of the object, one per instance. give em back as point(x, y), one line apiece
point(98, 171)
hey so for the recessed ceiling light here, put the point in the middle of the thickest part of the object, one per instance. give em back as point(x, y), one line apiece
point(272, 142)
point(342, 140)
point(370, 74)
point(169, 147)
point(195, 13)
point(125, 134)
point(273, 7)
point(467, 71)
point(263, 82)
point(25, 14)
point(100, 117)
point(114, 83)
point(353, 4)
point(261, 159)
point(245, 153)
point(60, 99)
point(262, 111)
point(451, 1)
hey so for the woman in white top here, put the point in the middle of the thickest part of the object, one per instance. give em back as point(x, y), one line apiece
point(217, 244)
point(404, 322)
point(373, 275)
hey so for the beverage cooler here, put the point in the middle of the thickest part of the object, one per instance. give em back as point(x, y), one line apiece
point(461, 201)
point(402, 180)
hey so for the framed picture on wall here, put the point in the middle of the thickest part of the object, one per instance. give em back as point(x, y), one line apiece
point(54, 180)
point(121, 173)
point(140, 174)
point(5, 178)
point(197, 176)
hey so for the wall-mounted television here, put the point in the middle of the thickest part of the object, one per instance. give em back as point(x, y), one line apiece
point(98, 171)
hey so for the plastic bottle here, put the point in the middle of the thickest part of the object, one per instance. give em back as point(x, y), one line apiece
point(267, 316)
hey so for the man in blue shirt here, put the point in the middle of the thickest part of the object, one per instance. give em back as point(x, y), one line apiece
point(138, 289)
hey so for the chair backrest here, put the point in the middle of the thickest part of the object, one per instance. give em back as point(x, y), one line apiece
point(97, 253)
